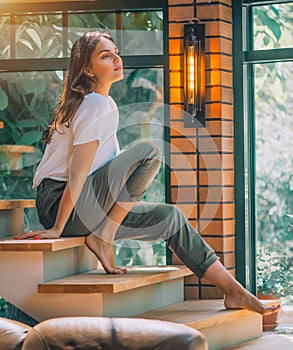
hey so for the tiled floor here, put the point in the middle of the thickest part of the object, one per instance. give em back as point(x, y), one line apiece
point(279, 339)
point(270, 341)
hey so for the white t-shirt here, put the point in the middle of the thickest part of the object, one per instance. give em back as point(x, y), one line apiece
point(97, 118)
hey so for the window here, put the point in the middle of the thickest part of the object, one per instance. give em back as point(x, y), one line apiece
point(34, 53)
point(264, 146)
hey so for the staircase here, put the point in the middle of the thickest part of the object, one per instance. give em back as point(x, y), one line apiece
point(51, 278)
point(11, 155)
point(60, 277)
point(35, 265)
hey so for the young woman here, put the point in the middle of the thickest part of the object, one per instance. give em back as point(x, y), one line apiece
point(86, 187)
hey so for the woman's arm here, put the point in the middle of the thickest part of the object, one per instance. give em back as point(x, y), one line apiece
point(82, 159)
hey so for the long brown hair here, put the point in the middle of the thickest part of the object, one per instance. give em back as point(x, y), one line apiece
point(77, 83)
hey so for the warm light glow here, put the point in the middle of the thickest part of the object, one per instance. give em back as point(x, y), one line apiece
point(191, 70)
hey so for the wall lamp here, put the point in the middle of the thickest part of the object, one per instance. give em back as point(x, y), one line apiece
point(194, 75)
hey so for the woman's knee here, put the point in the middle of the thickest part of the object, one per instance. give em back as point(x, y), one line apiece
point(150, 150)
point(171, 214)
point(177, 212)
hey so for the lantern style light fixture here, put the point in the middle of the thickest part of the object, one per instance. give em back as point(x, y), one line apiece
point(194, 75)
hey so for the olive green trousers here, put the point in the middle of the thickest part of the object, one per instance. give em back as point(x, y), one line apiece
point(124, 179)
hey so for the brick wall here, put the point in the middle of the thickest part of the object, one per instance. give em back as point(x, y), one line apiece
point(202, 176)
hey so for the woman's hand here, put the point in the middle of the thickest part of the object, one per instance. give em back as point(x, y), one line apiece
point(52, 233)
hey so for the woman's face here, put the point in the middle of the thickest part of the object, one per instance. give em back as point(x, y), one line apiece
point(106, 64)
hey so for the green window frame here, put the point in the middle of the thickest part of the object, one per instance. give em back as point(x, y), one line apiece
point(245, 57)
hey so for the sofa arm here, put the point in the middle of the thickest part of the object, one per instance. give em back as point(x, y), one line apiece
point(12, 334)
point(86, 333)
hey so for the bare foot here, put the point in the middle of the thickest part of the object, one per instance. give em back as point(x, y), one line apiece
point(243, 299)
point(104, 252)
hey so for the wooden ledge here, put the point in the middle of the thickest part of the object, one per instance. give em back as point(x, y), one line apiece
point(197, 314)
point(16, 149)
point(97, 281)
point(8, 244)
point(16, 203)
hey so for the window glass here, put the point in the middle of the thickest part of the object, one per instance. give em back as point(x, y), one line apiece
point(142, 33)
point(273, 26)
point(27, 101)
point(80, 23)
point(274, 177)
point(38, 36)
point(140, 101)
point(5, 37)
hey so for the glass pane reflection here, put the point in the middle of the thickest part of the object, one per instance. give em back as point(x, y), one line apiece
point(273, 25)
point(5, 37)
point(274, 180)
point(38, 36)
point(80, 23)
point(140, 100)
point(142, 33)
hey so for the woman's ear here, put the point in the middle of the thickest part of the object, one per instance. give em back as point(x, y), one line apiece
point(88, 72)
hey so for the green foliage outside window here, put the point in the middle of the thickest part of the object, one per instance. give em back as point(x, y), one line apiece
point(274, 146)
point(273, 26)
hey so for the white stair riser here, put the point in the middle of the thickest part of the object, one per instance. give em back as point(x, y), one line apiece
point(123, 304)
point(233, 333)
point(143, 299)
point(21, 272)
point(67, 262)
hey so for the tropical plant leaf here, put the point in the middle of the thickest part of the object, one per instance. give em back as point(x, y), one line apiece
point(3, 100)
point(266, 41)
point(13, 93)
point(35, 85)
point(26, 43)
point(29, 159)
point(10, 189)
point(270, 23)
point(27, 123)
point(275, 10)
point(30, 138)
point(35, 37)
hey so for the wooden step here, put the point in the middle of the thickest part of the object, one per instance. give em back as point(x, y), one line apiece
point(8, 244)
point(16, 149)
point(97, 281)
point(221, 327)
point(141, 289)
point(12, 215)
point(11, 156)
point(16, 203)
point(97, 294)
